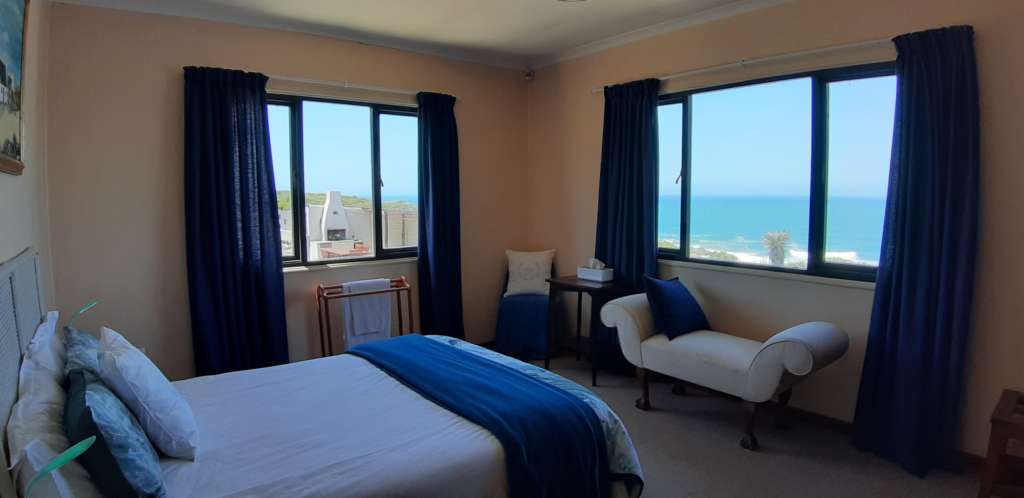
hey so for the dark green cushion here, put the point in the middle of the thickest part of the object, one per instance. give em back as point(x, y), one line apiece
point(122, 462)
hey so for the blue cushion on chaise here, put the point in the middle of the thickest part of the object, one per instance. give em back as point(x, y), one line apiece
point(674, 309)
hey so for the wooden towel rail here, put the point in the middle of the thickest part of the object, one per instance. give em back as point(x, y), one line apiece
point(326, 293)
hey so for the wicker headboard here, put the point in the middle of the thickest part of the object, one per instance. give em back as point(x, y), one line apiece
point(21, 310)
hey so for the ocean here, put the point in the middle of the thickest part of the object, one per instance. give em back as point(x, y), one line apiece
point(738, 224)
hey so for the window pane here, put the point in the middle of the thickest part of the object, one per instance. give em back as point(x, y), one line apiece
point(281, 153)
point(750, 174)
point(860, 123)
point(670, 160)
point(399, 164)
point(337, 173)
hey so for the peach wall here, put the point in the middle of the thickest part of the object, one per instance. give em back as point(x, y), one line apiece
point(116, 148)
point(530, 158)
point(564, 147)
point(23, 210)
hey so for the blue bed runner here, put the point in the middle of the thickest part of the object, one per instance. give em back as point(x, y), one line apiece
point(554, 442)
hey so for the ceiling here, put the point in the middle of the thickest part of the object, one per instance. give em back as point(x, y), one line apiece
point(510, 33)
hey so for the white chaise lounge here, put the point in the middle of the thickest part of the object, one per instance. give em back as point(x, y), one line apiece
point(751, 370)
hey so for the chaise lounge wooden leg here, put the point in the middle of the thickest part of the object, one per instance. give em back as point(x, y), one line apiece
point(644, 403)
point(782, 421)
point(749, 440)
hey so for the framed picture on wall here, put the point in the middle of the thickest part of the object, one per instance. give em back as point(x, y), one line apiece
point(13, 15)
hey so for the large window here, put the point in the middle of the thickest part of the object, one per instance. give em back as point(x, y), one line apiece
point(788, 173)
point(347, 179)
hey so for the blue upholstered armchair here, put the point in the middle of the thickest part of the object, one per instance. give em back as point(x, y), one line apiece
point(523, 324)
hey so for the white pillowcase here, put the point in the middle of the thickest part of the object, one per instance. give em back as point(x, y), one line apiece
point(35, 430)
point(528, 272)
point(161, 410)
point(47, 347)
point(69, 481)
point(39, 412)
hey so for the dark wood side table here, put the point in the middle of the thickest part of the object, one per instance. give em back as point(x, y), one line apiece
point(1007, 423)
point(600, 293)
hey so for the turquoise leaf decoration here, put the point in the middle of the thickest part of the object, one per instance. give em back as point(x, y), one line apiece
point(67, 456)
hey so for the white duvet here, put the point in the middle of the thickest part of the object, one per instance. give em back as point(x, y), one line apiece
point(331, 427)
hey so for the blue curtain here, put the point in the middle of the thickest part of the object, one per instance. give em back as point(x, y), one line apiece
point(626, 216)
point(629, 167)
point(440, 253)
point(908, 409)
point(233, 239)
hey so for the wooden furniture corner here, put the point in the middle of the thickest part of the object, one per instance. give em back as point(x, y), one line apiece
point(1001, 475)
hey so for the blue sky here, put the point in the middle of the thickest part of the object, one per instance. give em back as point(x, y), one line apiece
point(12, 18)
point(747, 141)
point(337, 150)
point(755, 140)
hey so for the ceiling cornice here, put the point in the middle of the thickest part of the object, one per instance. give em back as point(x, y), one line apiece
point(705, 16)
point(217, 14)
point(231, 16)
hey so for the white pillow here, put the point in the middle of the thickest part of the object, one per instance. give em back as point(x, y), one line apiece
point(39, 412)
point(69, 481)
point(35, 433)
point(161, 410)
point(528, 272)
point(47, 347)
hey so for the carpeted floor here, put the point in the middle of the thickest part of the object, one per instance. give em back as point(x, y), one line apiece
point(689, 446)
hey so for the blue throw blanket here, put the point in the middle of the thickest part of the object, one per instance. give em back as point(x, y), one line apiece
point(554, 442)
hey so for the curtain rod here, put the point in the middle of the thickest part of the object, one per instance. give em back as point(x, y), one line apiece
point(344, 84)
point(771, 58)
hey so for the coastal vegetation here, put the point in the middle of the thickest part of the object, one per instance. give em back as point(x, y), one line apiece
point(777, 244)
point(284, 201)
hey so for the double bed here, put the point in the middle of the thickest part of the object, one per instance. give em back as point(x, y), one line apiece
point(337, 426)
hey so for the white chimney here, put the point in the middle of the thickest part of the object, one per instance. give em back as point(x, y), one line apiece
point(335, 221)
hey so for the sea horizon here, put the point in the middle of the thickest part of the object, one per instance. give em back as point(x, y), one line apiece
point(738, 223)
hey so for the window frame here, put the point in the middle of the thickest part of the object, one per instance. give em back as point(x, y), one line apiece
point(818, 208)
point(299, 243)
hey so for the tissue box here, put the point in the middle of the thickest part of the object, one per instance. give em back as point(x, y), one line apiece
point(602, 275)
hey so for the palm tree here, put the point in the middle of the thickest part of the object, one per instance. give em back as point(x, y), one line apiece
point(777, 244)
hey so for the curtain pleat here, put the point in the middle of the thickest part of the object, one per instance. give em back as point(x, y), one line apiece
point(626, 217)
point(440, 255)
point(909, 405)
point(233, 238)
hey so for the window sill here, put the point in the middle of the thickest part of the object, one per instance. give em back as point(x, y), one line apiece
point(350, 264)
point(754, 272)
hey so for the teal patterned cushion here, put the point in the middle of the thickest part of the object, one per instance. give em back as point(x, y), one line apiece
point(121, 462)
point(82, 353)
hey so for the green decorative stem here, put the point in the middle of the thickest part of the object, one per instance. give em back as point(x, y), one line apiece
point(61, 460)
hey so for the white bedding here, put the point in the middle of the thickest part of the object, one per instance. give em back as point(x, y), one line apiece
point(331, 427)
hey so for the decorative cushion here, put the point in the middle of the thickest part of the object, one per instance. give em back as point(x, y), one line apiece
point(528, 272)
point(121, 462)
point(674, 309)
point(161, 410)
point(81, 350)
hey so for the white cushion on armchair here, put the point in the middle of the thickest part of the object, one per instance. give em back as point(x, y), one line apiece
point(749, 369)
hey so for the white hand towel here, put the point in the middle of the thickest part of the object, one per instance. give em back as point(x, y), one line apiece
point(367, 318)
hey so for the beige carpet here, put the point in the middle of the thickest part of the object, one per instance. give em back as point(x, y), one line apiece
point(689, 446)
